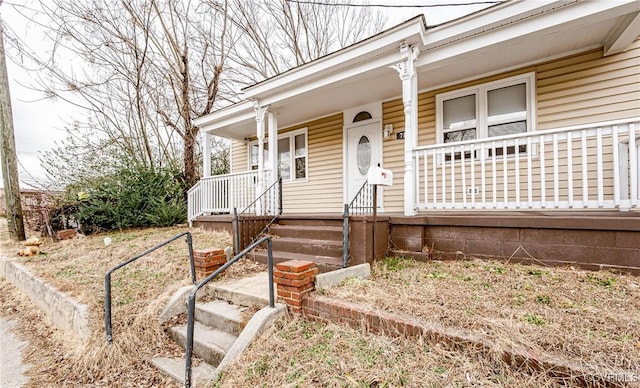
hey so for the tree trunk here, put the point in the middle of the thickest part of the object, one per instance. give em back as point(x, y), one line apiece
point(189, 162)
point(8, 147)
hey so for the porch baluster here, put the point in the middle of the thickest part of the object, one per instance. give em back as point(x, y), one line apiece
point(543, 177)
point(616, 167)
point(473, 176)
point(570, 167)
point(444, 177)
point(600, 179)
point(464, 177)
point(585, 180)
point(505, 176)
point(453, 177)
point(633, 165)
point(494, 177)
point(529, 175)
point(517, 172)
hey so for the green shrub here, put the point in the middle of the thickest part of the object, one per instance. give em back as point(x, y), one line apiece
point(134, 196)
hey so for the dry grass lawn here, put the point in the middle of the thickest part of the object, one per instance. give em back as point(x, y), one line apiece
point(586, 317)
point(140, 291)
point(590, 317)
point(299, 353)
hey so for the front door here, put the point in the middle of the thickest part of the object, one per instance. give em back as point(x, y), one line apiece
point(364, 149)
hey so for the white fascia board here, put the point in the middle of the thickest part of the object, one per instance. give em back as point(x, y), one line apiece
point(488, 17)
point(621, 37)
point(355, 53)
point(229, 121)
point(227, 115)
point(566, 16)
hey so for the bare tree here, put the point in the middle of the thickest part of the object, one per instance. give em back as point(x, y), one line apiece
point(278, 35)
point(142, 69)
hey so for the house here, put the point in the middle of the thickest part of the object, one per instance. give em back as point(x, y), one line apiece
point(512, 132)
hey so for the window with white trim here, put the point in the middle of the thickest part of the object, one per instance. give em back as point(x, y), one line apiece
point(493, 109)
point(292, 166)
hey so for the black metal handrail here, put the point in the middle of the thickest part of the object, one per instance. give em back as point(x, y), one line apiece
point(358, 205)
point(236, 216)
point(192, 298)
point(107, 277)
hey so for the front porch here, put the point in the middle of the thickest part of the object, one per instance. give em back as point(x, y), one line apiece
point(593, 166)
point(567, 196)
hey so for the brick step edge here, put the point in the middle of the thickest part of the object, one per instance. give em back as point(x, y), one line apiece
point(326, 309)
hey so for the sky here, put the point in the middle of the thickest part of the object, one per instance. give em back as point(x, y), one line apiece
point(39, 123)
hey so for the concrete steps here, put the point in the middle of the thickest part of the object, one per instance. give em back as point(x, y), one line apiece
point(174, 367)
point(221, 315)
point(249, 291)
point(209, 344)
point(217, 328)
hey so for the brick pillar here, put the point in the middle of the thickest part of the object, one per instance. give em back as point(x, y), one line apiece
point(295, 279)
point(207, 261)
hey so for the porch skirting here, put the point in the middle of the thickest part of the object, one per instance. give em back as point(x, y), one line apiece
point(586, 239)
point(590, 240)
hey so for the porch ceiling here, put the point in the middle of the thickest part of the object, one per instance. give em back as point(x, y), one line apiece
point(442, 62)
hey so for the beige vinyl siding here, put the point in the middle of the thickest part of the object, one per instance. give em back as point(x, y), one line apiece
point(322, 191)
point(393, 156)
point(588, 88)
point(239, 156)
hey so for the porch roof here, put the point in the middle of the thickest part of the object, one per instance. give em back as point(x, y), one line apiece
point(503, 37)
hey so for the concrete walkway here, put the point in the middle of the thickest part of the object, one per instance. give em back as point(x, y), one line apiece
point(11, 368)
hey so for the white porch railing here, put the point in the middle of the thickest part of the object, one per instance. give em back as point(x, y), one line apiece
point(221, 193)
point(585, 167)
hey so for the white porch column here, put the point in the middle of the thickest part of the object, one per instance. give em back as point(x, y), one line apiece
point(260, 112)
point(273, 154)
point(406, 70)
point(206, 154)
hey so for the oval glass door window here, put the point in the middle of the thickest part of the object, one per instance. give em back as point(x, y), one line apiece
point(364, 155)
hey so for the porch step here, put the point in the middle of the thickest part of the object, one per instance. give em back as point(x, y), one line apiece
point(248, 291)
point(208, 343)
point(325, 263)
point(314, 237)
point(312, 232)
point(321, 248)
point(219, 327)
point(221, 315)
point(174, 367)
point(314, 220)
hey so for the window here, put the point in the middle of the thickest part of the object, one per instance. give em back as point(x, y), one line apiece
point(292, 155)
point(364, 155)
point(361, 116)
point(489, 110)
point(253, 155)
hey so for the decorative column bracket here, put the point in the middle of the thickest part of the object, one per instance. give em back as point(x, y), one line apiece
point(407, 72)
